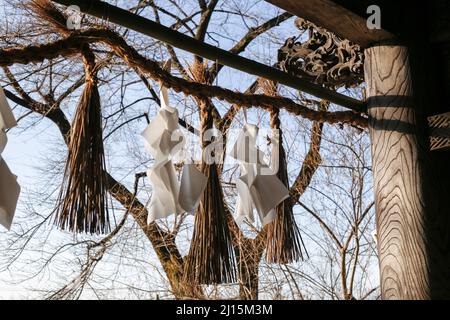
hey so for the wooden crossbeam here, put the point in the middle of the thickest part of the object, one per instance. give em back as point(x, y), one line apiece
point(336, 18)
point(155, 30)
point(347, 18)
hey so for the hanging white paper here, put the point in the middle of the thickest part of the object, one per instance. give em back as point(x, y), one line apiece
point(9, 194)
point(275, 156)
point(9, 188)
point(193, 183)
point(244, 151)
point(244, 203)
point(258, 186)
point(3, 140)
point(267, 192)
point(161, 145)
point(163, 141)
point(164, 201)
point(7, 120)
point(274, 165)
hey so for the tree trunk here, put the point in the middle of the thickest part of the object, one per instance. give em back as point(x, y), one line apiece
point(248, 256)
point(413, 241)
point(162, 242)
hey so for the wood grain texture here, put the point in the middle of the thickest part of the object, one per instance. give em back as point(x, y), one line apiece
point(335, 18)
point(413, 252)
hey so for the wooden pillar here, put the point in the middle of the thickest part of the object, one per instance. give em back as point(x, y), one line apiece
point(412, 224)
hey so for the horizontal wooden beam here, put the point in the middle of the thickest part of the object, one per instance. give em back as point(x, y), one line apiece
point(150, 28)
point(336, 18)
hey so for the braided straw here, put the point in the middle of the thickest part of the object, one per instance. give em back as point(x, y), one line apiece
point(284, 242)
point(211, 259)
point(82, 205)
point(72, 43)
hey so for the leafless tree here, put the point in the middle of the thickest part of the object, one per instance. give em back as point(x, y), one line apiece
point(327, 163)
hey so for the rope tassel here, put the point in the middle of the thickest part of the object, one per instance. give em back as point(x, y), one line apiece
point(83, 198)
point(284, 242)
point(211, 258)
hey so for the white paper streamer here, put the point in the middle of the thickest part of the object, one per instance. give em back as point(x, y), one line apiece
point(258, 187)
point(9, 188)
point(3, 140)
point(7, 119)
point(163, 141)
point(193, 183)
point(274, 165)
point(9, 194)
point(162, 175)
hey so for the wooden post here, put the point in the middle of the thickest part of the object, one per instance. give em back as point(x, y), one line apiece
point(412, 223)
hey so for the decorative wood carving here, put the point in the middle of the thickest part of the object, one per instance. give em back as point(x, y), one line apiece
point(323, 57)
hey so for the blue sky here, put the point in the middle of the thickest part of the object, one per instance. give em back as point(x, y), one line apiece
point(31, 147)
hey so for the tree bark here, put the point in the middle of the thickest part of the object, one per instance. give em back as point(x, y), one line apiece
point(163, 243)
point(248, 256)
point(413, 244)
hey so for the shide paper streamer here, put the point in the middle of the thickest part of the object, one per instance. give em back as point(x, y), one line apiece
point(163, 141)
point(258, 187)
point(192, 185)
point(9, 188)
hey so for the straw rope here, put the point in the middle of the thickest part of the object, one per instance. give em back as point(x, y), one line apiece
point(71, 45)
